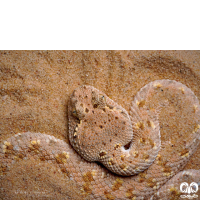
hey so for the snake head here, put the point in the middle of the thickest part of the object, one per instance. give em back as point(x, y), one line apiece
point(78, 109)
point(98, 100)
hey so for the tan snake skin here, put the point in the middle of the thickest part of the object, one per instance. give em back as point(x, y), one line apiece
point(115, 155)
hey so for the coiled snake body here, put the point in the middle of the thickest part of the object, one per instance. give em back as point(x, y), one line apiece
point(141, 154)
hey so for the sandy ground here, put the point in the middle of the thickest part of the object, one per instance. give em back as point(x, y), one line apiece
point(35, 87)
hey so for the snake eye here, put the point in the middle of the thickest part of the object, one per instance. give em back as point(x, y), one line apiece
point(103, 99)
point(74, 113)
